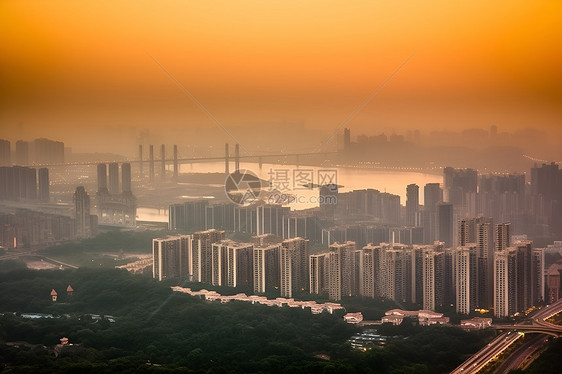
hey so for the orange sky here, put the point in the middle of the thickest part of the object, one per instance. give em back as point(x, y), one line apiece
point(69, 63)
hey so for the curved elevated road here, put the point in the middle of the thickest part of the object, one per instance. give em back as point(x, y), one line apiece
point(504, 340)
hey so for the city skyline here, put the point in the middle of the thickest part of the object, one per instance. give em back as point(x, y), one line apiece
point(252, 64)
point(281, 186)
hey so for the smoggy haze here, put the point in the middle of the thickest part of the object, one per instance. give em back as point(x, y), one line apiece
point(67, 66)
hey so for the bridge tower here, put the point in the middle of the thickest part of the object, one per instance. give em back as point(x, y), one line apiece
point(102, 178)
point(141, 171)
point(151, 164)
point(126, 177)
point(114, 207)
point(226, 159)
point(237, 157)
point(176, 166)
point(163, 162)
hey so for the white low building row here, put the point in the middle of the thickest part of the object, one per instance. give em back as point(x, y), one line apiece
point(315, 308)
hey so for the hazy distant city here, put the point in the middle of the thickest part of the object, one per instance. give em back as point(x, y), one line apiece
point(263, 187)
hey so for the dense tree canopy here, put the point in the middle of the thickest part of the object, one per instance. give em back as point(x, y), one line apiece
point(157, 330)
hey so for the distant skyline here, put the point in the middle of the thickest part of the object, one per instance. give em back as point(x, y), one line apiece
point(73, 70)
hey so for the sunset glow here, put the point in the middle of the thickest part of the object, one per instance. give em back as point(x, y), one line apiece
point(252, 62)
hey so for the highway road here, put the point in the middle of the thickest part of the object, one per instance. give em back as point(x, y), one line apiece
point(539, 327)
point(549, 311)
point(503, 341)
point(515, 359)
point(189, 159)
point(487, 354)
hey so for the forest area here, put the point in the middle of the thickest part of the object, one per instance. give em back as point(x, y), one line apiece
point(156, 330)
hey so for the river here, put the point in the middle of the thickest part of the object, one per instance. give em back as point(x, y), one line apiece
point(394, 182)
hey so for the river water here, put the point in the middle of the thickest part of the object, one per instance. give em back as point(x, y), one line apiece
point(283, 176)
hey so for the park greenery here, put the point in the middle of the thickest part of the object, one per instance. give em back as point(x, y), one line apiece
point(122, 322)
point(157, 330)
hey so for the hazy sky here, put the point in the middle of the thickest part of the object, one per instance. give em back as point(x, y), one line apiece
point(66, 65)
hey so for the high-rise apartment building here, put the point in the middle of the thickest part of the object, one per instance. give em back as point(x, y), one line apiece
point(368, 269)
point(429, 275)
point(22, 153)
point(433, 194)
point(445, 220)
point(82, 212)
point(171, 257)
point(526, 281)
point(539, 276)
point(187, 216)
point(546, 191)
point(32, 229)
point(480, 231)
point(328, 198)
point(113, 178)
point(5, 153)
point(44, 185)
point(341, 270)
point(457, 183)
point(397, 272)
point(232, 264)
point(266, 260)
point(318, 270)
point(466, 278)
point(126, 177)
point(270, 219)
point(412, 205)
point(48, 151)
point(286, 271)
point(28, 183)
point(102, 178)
point(503, 233)
point(302, 224)
point(449, 291)
point(202, 257)
point(518, 278)
point(219, 216)
point(294, 266)
point(498, 184)
point(335, 273)
point(504, 284)
point(18, 183)
point(466, 231)
point(245, 219)
point(485, 254)
point(546, 180)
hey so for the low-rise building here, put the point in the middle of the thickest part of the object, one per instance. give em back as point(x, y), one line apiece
point(424, 317)
point(315, 308)
point(476, 323)
point(353, 318)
